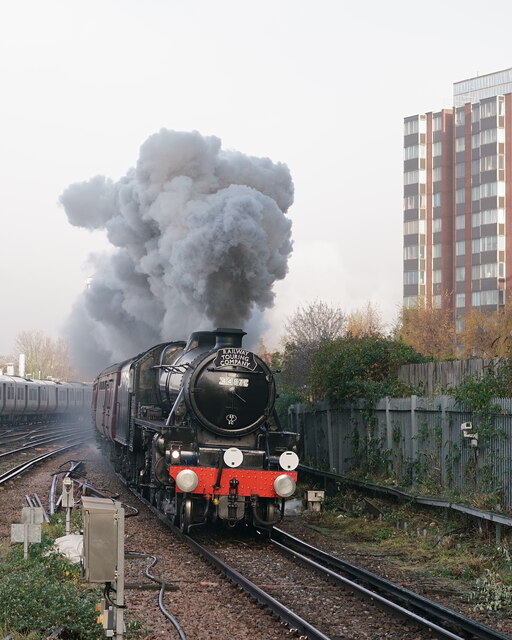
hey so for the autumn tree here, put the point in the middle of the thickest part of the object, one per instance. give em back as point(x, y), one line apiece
point(428, 330)
point(487, 334)
point(44, 357)
point(364, 322)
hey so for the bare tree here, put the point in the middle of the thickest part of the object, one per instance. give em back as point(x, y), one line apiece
point(44, 357)
point(308, 328)
point(315, 323)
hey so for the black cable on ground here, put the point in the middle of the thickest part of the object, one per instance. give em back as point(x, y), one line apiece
point(169, 617)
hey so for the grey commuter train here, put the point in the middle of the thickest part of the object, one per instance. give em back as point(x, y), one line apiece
point(24, 400)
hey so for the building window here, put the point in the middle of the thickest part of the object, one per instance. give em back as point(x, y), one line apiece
point(415, 177)
point(489, 216)
point(460, 300)
point(475, 167)
point(492, 189)
point(460, 248)
point(410, 277)
point(460, 222)
point(410, 301)
point(460, 274)
point(475, 193)
point(418, 125)
point(487, 109)
point(488, 135)
point(436, 225)
point(460, 196)
point(489, 270)
point(460, 170)
point(412, 252)
point(475, 140)
point(488, 243)
point(411, 227)
point(484, 298)
point(436, 250)
point(436, 301)
point(436, 199)
point(414, 202)
point(460, 144)
point(437, 149)
point(489, 163)
point(436, 276)
point(437, 123)
point(416, 151)
point(460, 116)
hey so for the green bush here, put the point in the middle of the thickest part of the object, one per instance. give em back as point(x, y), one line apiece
point(42, 593)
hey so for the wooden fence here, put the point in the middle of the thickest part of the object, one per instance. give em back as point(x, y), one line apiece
point(433, 378)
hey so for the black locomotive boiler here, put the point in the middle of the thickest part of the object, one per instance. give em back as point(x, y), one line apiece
point(192, 426)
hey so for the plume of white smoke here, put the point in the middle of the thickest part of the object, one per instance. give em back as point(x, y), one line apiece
point(200, 234)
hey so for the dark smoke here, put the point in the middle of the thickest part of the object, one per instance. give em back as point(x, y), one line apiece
point(201, 237)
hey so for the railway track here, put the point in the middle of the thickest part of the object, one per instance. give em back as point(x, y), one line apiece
point(37, 436)
point(26, 465)
point(411, 609)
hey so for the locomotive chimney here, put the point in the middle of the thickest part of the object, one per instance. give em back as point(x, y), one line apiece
point(229, 337)
point(200, 339)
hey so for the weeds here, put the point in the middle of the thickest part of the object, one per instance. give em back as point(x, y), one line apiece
point(491, 593)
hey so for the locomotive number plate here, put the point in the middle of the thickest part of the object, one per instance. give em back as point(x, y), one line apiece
point(226, 381)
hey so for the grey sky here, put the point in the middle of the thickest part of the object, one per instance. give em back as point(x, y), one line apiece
point(322, 87)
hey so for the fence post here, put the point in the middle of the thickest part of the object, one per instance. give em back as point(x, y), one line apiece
point(445, 437)
point(414, 433)
point(389, 428)
point(330, 439)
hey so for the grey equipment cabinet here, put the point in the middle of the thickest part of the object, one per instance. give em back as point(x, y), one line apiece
point(101, 539)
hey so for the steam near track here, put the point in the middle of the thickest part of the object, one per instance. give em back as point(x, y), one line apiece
point(200, 234)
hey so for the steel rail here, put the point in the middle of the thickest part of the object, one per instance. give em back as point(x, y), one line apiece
point(433, 611)
point(38, 443)
point(25, 466)
point(295, 622)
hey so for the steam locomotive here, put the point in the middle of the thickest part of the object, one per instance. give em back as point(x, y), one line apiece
point(192, 427)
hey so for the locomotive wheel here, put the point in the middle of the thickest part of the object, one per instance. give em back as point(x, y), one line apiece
point(267, 513)
point(187, 510)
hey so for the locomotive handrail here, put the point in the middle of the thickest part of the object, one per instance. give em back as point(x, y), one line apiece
point(171, 368)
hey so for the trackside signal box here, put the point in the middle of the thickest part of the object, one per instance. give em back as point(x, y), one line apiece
point(101, 518)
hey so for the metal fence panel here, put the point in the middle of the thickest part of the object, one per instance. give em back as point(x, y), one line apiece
point(420, 442)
